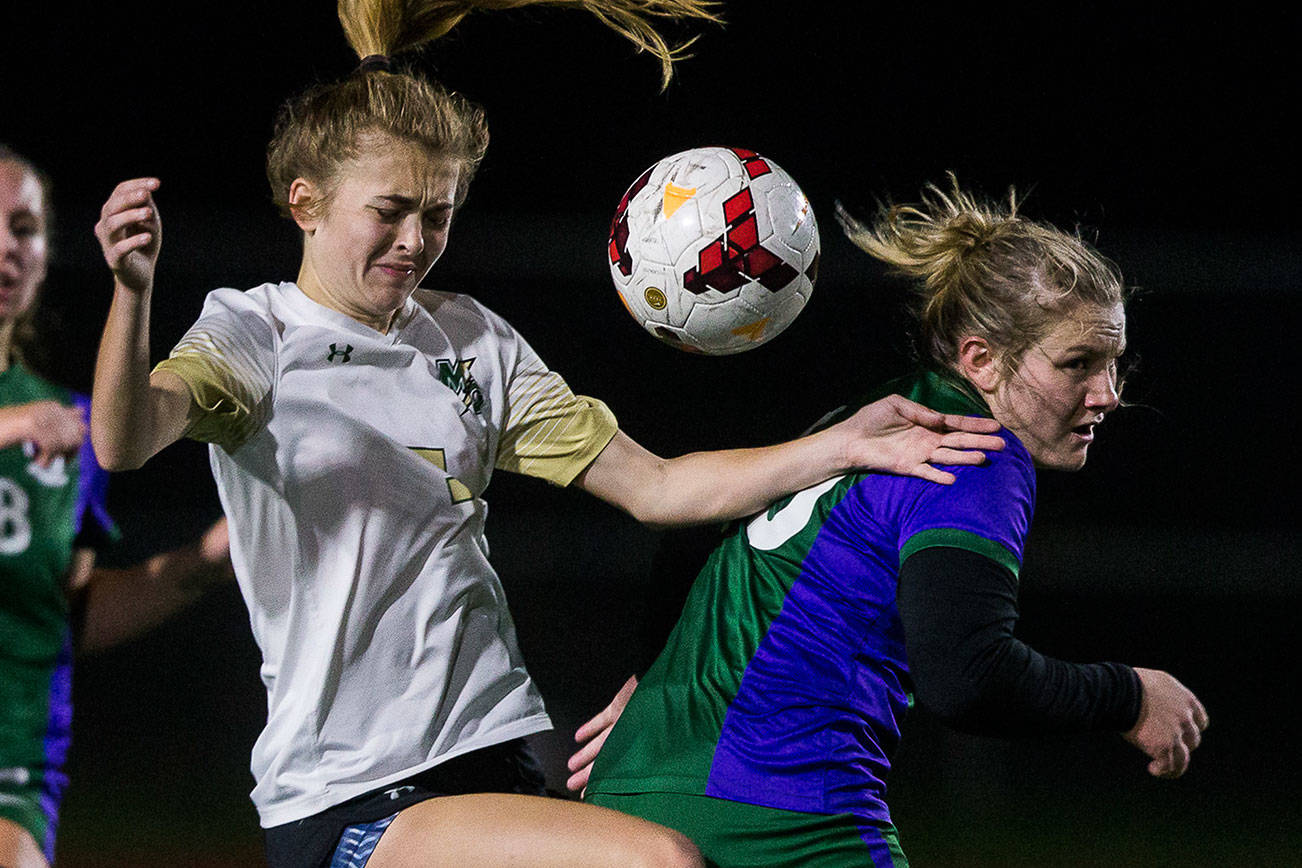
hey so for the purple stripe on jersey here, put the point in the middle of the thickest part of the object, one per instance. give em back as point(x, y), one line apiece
point(816, 718)
point(883, 850)
point(58, 737)
point(92, 482)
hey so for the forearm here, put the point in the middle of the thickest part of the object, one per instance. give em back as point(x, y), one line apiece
point(123, 603)
point(704, 487)
point(125, 412)
point(959, 610)
point(13, 428)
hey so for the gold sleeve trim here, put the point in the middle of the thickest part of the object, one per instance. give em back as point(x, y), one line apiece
point(557, 434)
point(228, 413)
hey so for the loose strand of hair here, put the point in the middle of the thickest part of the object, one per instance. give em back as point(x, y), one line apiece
point(388, 27)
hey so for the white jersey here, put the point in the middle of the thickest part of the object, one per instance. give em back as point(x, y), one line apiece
point(351, 465)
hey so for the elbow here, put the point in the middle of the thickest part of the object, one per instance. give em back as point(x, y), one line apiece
point(958, 700)
point(658, 513)
point(646, 513)
point(653, 503)
point(956, 708)
point(116, 464)
point(111, 455)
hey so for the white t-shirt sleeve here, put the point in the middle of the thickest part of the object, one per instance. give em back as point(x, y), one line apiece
point(228, 361)
point(547, 430)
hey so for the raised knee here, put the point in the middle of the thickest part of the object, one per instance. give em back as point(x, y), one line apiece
point(673, 849)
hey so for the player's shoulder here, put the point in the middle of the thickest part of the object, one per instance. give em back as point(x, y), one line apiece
point(248, 322)
point(460, 313)
point(261, 301)
point(1014, 457)
point(1008, 469)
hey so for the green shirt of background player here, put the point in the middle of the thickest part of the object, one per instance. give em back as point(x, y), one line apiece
point(51, 519)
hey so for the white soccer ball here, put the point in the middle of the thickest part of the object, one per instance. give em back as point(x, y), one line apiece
point(714, 250)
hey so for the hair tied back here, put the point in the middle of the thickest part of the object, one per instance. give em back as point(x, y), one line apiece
point(375, 63)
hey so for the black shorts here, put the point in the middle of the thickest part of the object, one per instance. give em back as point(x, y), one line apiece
point(510, 767)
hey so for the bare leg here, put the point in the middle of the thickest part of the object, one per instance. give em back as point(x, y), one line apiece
point(492, 829)
point(18, 849)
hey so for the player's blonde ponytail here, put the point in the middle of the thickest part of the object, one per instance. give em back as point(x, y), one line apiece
point(328, 124)
point(980, 268)
point(387, 27)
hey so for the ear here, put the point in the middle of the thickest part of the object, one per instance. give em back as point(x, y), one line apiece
point(304, 204)
point(977, 363)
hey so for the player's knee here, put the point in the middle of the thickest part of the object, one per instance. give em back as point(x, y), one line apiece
point(671, 849)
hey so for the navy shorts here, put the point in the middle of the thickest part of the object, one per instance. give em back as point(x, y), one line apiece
point(352, 828)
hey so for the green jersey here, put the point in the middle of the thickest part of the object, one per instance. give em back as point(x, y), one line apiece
point(45, 512)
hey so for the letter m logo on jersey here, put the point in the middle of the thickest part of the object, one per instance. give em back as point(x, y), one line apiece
point(456, 376)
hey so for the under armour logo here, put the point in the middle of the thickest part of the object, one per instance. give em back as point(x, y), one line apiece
point(398, 792)
point(346, 353)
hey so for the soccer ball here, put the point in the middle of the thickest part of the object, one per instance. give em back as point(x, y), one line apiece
point(714, 250)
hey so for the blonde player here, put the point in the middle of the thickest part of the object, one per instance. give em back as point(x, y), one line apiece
point(355, 422)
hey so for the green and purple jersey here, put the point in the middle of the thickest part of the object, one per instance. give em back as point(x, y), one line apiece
point(45, 512)
point(785, 680)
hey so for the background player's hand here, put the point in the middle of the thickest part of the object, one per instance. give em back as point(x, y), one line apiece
point(901, 436)
point(1170, 725)
point(592, 735)
point(54, 429)
point(215, 553)
point(130, 233)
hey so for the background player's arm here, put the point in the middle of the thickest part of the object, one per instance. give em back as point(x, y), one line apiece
point(894, 434)
point(133, 414)
point(959, 609)
point(118, 604)
point(54, 429)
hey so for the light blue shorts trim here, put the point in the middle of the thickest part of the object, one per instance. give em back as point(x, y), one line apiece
point(357, 843)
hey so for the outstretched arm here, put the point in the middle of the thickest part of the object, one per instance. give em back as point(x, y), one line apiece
point(120, 604)
point(893, 435)
point(133, 414)
point(959, 609)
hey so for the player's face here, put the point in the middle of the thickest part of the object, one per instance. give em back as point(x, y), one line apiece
point(384, 225)
point(23, 243)
point(1064, 386)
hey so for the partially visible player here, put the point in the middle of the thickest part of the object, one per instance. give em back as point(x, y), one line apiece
point(765, 729)
point(52, 519)
point(355, 422)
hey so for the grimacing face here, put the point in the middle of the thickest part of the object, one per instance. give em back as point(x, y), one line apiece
point(1064, 386)
point(383, 226)
point(24, 246)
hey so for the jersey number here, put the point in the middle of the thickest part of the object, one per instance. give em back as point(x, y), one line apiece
point(457, 489)
point(15, 529)
point(767, 532)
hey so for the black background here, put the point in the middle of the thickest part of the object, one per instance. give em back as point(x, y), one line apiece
point(1162, 136)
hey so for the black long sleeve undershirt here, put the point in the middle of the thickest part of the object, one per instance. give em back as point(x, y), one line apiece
point(959, 609)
